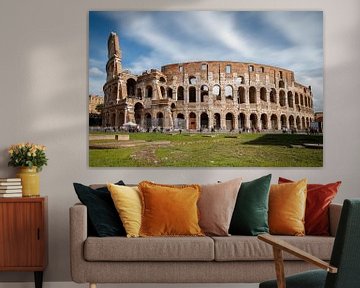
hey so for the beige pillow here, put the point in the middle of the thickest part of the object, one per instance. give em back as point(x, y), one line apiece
point(216, 206)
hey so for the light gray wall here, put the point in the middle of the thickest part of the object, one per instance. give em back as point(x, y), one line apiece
point(43, 88)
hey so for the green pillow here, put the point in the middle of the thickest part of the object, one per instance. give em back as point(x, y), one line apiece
point(250, 216)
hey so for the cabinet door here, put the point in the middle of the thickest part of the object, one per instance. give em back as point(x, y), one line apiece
point(21, 235)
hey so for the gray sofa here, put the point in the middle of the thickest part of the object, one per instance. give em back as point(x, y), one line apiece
point(234, 259)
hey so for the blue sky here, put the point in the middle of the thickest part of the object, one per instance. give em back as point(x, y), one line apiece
point(288, 39)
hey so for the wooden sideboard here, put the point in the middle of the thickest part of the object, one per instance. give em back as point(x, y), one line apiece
point(23, 235)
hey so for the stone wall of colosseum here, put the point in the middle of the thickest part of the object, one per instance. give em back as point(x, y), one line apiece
point(204, 96)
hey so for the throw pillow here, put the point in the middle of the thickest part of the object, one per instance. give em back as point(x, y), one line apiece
point(169, 210)
point(102, 215)
point(250, 215)
point(318, 200)
point(287, 204)
point(216, 206)
point(127, 201)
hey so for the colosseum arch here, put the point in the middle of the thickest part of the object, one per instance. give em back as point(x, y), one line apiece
point(130, 87)
point(121, 119)
point(242, 121)
point(301, 100)
point(204, 92)
point(273, 96)
point(229, 92)
point(180, 120)
point(296, 98)
point(192, 121)
point(216, 91)
point(139, 94)
point(148, 121)
point(283, 121)
point(149, 92)
point(264, 121)
point(160, 119)
point(282, 99)
point(241, 95)
point(180, 93)
point(192, 80)
point(303, 122)
point(252, 94)
point(162, 90)
point(162, 80)
point(298, 123)
point(138, 113)
point(263, 96)
point(192, 94)
point(229, 117)
point(274, 122)
point(281, 84)
point(204, 121)
point(217, 123)
point(169, 93)
point(307, 122)
point(240, 80)
point(254, 121)
point(291, 122)
point(290, 99)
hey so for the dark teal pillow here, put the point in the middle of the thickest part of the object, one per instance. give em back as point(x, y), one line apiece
point(250, 216)
point(103, 218)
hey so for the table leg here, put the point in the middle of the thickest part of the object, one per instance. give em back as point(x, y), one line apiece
point(38, 279)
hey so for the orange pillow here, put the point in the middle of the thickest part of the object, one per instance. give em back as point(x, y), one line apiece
point(169, 210)
point(318, 200)
point(287, 204)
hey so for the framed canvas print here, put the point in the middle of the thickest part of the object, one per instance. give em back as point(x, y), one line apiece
point(205, 88)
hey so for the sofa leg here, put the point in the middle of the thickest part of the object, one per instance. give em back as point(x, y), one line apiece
point(92, 285)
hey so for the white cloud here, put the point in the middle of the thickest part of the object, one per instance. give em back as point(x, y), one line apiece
point(96, 72)
point(295, 42)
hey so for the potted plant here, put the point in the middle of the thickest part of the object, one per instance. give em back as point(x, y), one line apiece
point(30, 158)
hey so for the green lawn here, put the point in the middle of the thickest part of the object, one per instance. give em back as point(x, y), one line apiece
point(194, 150)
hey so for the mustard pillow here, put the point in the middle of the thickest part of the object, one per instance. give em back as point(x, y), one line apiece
point(127, 201)
point(169, 210)
point(287, 204)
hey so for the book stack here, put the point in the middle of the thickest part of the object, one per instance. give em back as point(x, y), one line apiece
point(10, 187)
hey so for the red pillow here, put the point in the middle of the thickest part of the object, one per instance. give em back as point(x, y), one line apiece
point(319, 197)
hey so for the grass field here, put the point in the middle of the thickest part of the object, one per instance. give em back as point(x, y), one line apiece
point(220, 150)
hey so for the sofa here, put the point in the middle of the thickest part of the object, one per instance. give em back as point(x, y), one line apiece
point(233, 259)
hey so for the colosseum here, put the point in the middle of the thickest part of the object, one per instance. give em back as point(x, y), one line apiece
point(205, 96)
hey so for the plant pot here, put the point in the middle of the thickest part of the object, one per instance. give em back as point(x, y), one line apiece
point(30, 181)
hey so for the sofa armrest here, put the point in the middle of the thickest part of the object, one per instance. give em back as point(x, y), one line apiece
point(78, 235)
point(334, 217)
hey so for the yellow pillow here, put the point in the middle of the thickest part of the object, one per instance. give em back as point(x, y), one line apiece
point(127, 201)
point(287, 204)
point(169, 210)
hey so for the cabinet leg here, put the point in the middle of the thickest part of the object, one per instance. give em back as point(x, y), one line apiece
point(38, 279)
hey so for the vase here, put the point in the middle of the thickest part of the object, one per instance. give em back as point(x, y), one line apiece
point(30, 181)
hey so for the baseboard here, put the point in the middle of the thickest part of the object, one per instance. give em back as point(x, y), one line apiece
point(74, 285)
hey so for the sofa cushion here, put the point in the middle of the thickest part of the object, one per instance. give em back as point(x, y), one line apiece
point(216, 206)
point(149, 249)
point(245, 248)
point(169, 210)
point(102, 216)
point(287, 204)
point(127, 201)
point(318, 199)
point(250, 215)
